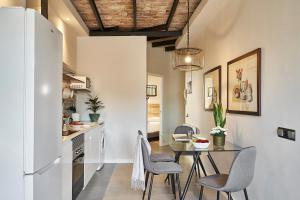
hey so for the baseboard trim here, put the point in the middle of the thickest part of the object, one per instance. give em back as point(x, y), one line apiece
point(119, 161)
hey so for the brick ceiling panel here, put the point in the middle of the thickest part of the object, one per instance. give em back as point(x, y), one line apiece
point(180, 16)
point(152, 12)
point(116, 13)
point(85, 11)
point(119, 14)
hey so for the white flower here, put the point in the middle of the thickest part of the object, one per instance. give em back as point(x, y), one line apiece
point(218, 130)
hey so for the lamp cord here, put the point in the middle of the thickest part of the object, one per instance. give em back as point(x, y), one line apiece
point(188, 40)
point(188, 21)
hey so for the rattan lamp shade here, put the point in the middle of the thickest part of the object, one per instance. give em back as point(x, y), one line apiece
point(187, 59)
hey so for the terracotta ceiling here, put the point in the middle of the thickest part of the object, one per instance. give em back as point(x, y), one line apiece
point(162, 21)
point(134, 15)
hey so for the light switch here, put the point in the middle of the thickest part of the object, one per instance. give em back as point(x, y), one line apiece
point(292, 134)
point(280, 132)
point(289, 134)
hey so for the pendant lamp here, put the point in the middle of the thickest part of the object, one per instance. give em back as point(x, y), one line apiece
point(188, 58)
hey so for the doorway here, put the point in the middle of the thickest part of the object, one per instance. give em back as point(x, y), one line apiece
point(154, 107)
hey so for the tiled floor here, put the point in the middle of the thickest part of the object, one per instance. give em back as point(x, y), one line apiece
point(113, 183)
point(96, 188)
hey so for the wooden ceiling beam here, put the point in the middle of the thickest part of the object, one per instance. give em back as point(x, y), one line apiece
point(97, 14)
point(134, 14)
point(137, 33)
point(154, 28)
point(157, 39)
point(44, 8)
point(114, 28)
point(154, 38)
point(172, 12)
point(164, 43)
point(170, 48)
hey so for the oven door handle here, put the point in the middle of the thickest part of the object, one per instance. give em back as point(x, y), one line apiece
point(79, 158)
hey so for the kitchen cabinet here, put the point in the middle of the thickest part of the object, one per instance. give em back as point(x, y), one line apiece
point(92, 146)
point(66, 160)
point(93, 157)
point(102, 146)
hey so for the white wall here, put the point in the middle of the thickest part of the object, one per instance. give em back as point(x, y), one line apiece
point(158, 63)
point(117, 68)
point(7, 3)
point(227, 29)
point(58, 12)
point(71, 29)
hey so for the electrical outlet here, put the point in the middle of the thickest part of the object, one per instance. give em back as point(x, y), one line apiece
point(289, 134)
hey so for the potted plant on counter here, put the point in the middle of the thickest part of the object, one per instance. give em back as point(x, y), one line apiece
point(219, 132)
point(94, 105)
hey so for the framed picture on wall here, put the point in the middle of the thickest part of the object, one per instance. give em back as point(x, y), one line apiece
point(212, 87)
point(244, 84)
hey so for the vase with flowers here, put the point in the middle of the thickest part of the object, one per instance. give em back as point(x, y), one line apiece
point(219, 132)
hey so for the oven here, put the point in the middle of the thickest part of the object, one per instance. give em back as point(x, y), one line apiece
point(78, 166)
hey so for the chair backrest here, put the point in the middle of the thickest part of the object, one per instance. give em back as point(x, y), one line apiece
point(140, 132)
point(146, 157)
point(242, 170)
point(183, 130)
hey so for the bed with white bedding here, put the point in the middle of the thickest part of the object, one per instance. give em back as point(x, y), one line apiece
point(153, 127)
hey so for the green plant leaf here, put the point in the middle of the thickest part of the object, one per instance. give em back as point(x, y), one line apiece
point(94, 104)
point(220, 120)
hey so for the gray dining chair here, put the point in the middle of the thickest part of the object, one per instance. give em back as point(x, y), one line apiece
point(160, 157)
point(183, 129)
point(158, 168)
point(239, 177)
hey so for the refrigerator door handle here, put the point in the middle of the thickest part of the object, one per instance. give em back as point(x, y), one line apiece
point(46, 168)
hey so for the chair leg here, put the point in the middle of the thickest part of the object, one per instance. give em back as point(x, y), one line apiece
point(198, 168)
point(218, 195)
point(202, 167)
point(150, 187)
point(146, 184)
point(229, 196)
point(246, 194)
point(173, 185)
point(196, 171)
point(178, 184)
point(167, 179)
point(201, 193)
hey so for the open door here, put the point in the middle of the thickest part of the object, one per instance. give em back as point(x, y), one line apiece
point(154, 108)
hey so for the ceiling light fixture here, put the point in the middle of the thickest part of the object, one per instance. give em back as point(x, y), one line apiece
point(187, 59)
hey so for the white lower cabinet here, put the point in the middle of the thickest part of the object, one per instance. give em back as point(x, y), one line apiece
point(66, 161)
point(92, 145)
point(92, 156)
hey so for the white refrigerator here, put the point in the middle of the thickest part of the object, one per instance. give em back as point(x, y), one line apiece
point(30, 106)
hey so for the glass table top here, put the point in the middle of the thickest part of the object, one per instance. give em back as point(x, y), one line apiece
point(187, 146)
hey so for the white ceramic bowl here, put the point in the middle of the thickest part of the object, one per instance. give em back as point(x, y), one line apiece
point(199, 137)
point(201, 145)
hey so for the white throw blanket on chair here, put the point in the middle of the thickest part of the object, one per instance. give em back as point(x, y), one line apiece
point(138, 176)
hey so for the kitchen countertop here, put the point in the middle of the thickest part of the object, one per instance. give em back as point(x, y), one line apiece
point(75, 134)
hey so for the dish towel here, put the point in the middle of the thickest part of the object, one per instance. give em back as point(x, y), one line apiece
point(138, 176)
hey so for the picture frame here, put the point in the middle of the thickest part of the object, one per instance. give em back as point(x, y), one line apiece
point(212, 87)
point(244, 84)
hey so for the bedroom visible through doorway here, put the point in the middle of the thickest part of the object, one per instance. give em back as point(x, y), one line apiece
point(154, 107)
